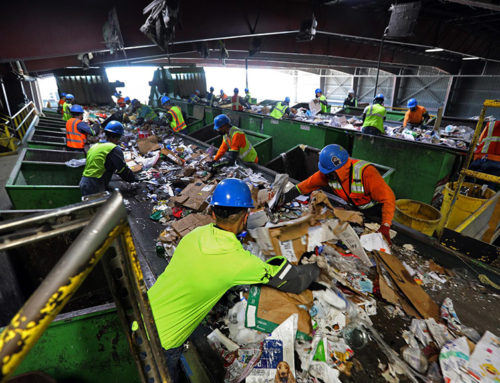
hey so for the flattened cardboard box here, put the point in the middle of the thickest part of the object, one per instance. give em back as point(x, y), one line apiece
point(191, 222)
point(194, 195)
point(147, 144)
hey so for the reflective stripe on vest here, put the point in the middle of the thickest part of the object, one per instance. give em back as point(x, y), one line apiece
point(375, 114)
point(74, 139)
point(489, 137)
point(278, 111)
point(246, 153)
point(177, 123)
point(236, 104)
point(96, 159)
point(357, 187)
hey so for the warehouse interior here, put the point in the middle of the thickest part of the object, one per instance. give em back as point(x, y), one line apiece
point(350, 148)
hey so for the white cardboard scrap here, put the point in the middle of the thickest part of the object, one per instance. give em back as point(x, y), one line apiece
point(374, 241)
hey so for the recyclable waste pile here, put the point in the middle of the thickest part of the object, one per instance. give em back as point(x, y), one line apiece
point(367, 318)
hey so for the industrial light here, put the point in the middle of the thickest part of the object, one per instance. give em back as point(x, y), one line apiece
point(434, 50)
point(470, 58)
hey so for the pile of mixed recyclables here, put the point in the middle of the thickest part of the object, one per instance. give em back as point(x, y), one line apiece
point(368, 317)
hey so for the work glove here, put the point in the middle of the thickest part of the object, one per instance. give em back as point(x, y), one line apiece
point(289, 196)
point(292, 278)
point(385, 231)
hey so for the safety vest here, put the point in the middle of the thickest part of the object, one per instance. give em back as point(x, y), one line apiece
point(96, 158)
point(66, 111)
point(121, 102)
point(147, 113)
point(279, 110)
point(490, 144)
point(248, 98)
point(246, 153)
point(357, 192)
point(211, 99)
point(235, 103)
point(74, 139)
point(194, 99)
point(375, 114)
point(177, 123)
point(324, 108)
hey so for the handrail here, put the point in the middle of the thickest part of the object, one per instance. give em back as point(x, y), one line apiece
point(22, 109)
point(109, 227)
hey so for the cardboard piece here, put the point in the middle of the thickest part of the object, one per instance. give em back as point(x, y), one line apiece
point(267, 308)
point(148, 144)
point(348, 215)
point(290, 241)
point(422, 302)
point(191, 222)
point(194, 195)
point(172, 157)
point(320, 205)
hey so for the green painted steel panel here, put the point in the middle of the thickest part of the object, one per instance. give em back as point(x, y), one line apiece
point(91, 348)
point(209, 115)
point(418, 169)
point(46, 145)
point(337, 136)
point(192, 126)
point(395, 116)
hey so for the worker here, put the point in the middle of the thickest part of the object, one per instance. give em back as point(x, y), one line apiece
point(103, 160)
point(374, 116)
point(195, 98)
point(355, 181)
point(207, 263)
point(211, 99)
point(77, 130)
point(248, 97)
point(120, 101)
point(61, 102)
point(223, 96)
point(416, 114)
point(237, 102)
point(280, 109)
point(234, 141)
point(487, 153)
point(174, 115)
point(67, 106)
point(144, 112)
point(351, 100)
point(325, 108)
point(128, 105)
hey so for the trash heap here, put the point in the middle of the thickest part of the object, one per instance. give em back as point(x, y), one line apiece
point(367, 318)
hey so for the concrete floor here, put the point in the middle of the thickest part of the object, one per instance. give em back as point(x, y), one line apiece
point(6, 165)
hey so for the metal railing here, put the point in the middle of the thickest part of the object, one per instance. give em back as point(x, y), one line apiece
point(13, 129)
point(107, 233)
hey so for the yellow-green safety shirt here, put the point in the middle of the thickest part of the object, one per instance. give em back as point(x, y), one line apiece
point(66, 111)
point(375, 115)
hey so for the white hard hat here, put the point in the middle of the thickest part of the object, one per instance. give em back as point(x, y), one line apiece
point(351, 91)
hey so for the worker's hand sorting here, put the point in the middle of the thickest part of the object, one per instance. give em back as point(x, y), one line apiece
point(385, 231)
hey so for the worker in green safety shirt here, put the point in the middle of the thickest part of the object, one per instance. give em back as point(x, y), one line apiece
point(374, 116)
point(209, 261)
point(280, 109)
point(144, 112)
point(351, 99)
point(103, 160)
point(248, 97)
point(320, 97)
point(66, 109)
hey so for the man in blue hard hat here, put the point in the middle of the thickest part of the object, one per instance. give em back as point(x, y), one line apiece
point(195, 97)
point(144, 112)
point(235, 141)
point(280, 109)
point(67, 106)
point(416, 114)
point(237, 102)
point(77, 130)
point(208, 262)
point(355, 181)
point(173, 117)
point(211, 99)
point(374, 117)
point(321, 98)
point(61, 102)
point(248, 97)
point(103, 160)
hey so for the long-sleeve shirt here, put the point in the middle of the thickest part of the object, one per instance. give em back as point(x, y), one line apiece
point(375, 188)
point(115, 163)
point(238, 141)
point(415, 117)
point(83, 128)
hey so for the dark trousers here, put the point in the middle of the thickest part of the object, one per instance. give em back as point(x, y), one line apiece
point(371, 130)
point(173, 357)
point(484, 165)
point(92, 185)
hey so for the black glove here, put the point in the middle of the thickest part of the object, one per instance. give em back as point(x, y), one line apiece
point(292, 278)
point(290, 195)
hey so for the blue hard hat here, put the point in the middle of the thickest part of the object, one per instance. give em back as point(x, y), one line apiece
point(318, 91)
point(236, 90)
point(246, 90)
point(379, 96)
point(126, 99)
point(287, 100)
point(165, 99)
point(76, 109)
point(63, 94)
point(412, 102)
point(211, 89)
point(220, 121)
point(114, 127)
point(232, 192)
point(116, 94)
point(332, 157)
point(70, 96)
point(135, 101)
point(221, 91)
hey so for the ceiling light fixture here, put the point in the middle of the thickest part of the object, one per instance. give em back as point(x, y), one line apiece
point(470, 58)
point(434, 50)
